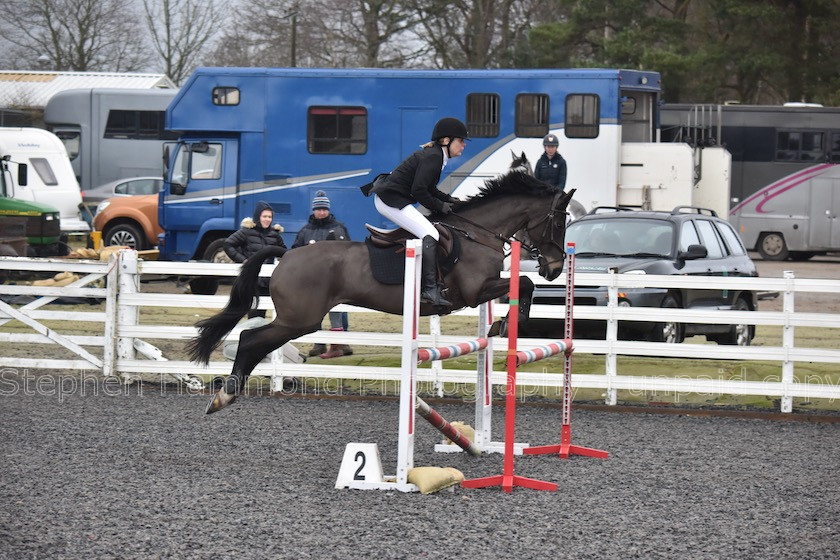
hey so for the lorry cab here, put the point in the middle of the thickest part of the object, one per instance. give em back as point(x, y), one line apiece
point(50, 176)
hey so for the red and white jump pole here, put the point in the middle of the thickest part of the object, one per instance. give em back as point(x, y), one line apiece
point(565, 447)
point(507, 480)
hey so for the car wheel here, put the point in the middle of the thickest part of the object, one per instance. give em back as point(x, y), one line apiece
point(671, 332)
point(772, 247)
point(128, 235)
point(740, 334)
point(215, 252)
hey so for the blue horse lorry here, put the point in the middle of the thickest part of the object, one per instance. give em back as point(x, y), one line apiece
point(282, 134)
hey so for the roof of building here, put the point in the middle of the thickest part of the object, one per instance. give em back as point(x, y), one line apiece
point(32, 88)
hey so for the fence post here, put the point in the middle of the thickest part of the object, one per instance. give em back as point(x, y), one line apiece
point(611, 338)
point(437, 365)
point(787, 342)
point(127, 315)
point(109, 360)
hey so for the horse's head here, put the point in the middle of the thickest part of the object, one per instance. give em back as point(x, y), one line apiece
point(521, 163)
point(548, 234)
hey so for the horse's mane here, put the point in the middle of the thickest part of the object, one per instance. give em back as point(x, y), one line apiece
point(515, 182)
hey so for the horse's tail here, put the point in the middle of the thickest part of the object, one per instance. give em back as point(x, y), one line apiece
point(243, 293)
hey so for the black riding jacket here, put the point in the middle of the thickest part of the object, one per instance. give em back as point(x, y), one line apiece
point(415, 180)
point(551, 171)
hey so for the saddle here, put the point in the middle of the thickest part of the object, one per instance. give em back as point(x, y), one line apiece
point(386, 248)
point(385, 238)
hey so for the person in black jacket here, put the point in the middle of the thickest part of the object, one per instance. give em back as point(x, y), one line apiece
point(551, 167)
point(323, 226)
point(415, 180)
point(254, 234)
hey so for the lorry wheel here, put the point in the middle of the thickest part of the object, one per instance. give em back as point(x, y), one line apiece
point(125, 234)
point(772, 247)
point(215, 252)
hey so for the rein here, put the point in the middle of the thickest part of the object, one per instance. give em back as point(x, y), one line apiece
point(549, 220)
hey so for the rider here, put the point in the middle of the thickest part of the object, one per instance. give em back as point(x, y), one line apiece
point(415, 180)
point(551, 167)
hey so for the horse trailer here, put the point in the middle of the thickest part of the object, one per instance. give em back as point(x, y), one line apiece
point(111, 133)
point(281, 134)
point(785, 179)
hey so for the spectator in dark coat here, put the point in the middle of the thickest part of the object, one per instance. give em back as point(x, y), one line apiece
point(551, 167)
point(254, 234)
point(323, 226)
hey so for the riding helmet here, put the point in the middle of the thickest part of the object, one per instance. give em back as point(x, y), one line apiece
point(450, 127)
point(551, 140)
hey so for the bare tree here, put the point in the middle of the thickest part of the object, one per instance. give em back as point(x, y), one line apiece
point(80, 35)
point(475, 33)
point(180, 30)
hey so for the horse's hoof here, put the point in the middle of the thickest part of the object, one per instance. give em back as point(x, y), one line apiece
point(219, 401)
point(498, 328)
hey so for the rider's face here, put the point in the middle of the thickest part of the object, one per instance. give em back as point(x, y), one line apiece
point(456, 147)
point(265, 218)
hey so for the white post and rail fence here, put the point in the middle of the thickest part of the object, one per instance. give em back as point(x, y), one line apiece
point(127, 345)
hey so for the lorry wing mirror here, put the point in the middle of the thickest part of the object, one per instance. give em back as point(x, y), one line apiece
point(177, 188)
point(22, 175)
point(165, 162)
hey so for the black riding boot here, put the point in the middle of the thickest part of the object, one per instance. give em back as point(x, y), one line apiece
point(430, 291)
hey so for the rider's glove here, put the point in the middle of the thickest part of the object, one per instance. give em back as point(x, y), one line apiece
point(446, 208)
point(454, 200)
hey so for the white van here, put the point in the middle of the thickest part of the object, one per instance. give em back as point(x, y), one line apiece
point(51, 178)
point(796, 216)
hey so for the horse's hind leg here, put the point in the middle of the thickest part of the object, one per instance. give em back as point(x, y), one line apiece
point(254, 345)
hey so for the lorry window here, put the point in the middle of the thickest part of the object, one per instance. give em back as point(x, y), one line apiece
point(834, 156)
point(207, 164)
point(582, 119)
point(70, 139)
point(337, 130)
point(225, 96)
point(795, 145)
point(137, 125)
point(45, 172)
point(483, 115)
point(531, 115)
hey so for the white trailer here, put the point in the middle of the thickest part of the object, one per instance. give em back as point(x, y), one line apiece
point(51, 179)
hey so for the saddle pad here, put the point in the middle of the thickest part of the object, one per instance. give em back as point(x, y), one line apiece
point(388, 264)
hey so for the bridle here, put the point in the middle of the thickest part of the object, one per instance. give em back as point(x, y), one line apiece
point(550, 230)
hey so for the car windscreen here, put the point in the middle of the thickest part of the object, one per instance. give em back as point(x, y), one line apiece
point(622, 236)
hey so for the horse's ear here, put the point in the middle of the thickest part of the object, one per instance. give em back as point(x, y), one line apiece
point(523, 156)
point(513, 154)
point(566, 198)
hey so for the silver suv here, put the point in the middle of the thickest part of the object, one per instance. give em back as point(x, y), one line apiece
point(685, 241)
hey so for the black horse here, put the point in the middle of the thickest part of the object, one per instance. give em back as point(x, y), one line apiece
point(310, 280)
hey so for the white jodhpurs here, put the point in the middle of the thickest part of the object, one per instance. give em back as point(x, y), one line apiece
point(408, 218)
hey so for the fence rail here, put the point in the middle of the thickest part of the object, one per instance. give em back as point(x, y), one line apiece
point(123, 347)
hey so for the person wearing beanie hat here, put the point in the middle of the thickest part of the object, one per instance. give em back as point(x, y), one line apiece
point(551, 167)
point(254, 234)
point(323, 226)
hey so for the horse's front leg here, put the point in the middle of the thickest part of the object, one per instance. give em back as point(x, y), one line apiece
point(499, 288)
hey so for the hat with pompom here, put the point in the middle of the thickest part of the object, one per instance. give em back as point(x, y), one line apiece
point(320, 201)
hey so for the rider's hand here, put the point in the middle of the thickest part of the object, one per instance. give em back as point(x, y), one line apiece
point(454, 200)
point(446, 208)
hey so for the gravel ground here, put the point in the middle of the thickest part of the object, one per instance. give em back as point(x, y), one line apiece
point(110, 472)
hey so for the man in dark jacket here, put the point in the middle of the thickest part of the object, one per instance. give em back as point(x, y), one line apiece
point(322, 226)
point(551, 167)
